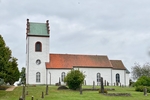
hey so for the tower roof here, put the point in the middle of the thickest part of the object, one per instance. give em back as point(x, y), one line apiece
point(37, 29)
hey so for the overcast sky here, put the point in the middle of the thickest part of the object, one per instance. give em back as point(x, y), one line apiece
point(119, 29)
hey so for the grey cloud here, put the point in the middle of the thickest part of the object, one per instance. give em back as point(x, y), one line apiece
point(119, 29)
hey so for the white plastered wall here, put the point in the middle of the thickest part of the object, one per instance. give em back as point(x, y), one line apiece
point(91, 74)
point(122, 74)
point(127, 79)
point(108, 74)
point(53, 75)
point(32, 56)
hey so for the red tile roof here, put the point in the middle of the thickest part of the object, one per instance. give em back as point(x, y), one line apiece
point(117, 64)
point(72, 60)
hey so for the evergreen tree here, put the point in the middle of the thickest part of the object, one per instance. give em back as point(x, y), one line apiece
point(8, 64)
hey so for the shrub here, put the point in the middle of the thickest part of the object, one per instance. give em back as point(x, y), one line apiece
point(143, 81)
point(105, 91)
point(141, 88)
point(74, 79)
point(62, 87)
point(3, 87)
point(148, 89)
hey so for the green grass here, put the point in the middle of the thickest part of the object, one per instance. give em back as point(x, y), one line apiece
point(55, 94)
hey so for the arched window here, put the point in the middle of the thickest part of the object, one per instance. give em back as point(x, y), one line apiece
point(117, 78)
point(62, 76)
point(98, 77)
point(38, 77)
point(38, 46)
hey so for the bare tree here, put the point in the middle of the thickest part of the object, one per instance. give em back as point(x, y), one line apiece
point(137, 70)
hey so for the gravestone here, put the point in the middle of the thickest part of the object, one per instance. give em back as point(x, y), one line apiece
point(114, 84)
point(26, 92)
point(46, 89)
point(93, 85)
point(117, 83)
point(102, 86)
point(84, 82)
point(105, 82)
point(59, 81)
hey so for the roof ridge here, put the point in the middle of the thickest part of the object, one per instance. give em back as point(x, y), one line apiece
point(77, 54)
point(37, 22)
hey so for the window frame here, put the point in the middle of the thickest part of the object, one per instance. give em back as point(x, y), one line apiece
point(98, 77)
point(38, 46)
point(117, 78)
point(63, 74)
point(38, 77)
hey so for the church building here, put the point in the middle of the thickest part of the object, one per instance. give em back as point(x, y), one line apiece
point(43, 67)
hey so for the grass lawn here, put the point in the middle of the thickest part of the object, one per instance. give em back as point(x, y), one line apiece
point(55, 94)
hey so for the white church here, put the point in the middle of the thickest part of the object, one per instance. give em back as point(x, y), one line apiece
point(43, 67)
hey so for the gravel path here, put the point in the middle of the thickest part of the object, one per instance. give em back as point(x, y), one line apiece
point(11, 88)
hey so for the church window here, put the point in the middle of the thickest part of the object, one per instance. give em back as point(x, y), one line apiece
point(98, 77)
point(117, 78)
point(38, 46)
point(62, 76)
point(38, 77)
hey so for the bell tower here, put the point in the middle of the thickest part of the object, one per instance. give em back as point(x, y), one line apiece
point(37, 52)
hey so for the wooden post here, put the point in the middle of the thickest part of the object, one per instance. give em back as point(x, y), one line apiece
point(23, 93)
point(81, 89)
point(145, 91)
point(32, 98)
point(42, 95)
point(46, 89)
point(93, 85)
point(20, 98)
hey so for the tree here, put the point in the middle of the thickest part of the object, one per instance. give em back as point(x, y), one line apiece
point(8, 64)
point(74, 79)
point(138, 70)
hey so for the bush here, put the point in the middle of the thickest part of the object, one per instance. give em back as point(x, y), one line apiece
point(3, 87)
point(143, 81)
point(141, 88)
point(74, 79)
point(62, 88)
point(105, 91)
